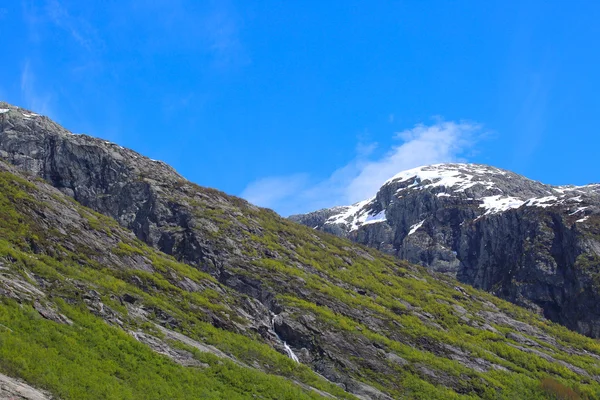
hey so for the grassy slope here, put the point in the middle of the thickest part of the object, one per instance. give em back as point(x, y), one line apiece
point(91, 359)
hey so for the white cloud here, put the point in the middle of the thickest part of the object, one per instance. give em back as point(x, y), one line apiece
point(421, 145)
point(362, 177)
point(270, 192)
point(34, 100)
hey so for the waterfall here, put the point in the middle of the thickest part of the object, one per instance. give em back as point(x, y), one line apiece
point(288, 350)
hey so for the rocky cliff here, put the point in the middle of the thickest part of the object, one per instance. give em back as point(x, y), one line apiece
point(533, 244)
point(120, 279)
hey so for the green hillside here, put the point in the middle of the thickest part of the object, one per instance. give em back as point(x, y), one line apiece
point(89, 312)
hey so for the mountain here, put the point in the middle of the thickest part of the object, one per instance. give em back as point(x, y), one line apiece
point(120, 279)
point(533, 244)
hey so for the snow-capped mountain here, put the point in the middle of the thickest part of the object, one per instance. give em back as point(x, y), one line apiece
point(493, 189)
point(532, 243)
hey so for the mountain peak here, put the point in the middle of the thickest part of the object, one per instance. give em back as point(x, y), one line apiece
point(457, 178)
point(489, 227)
point(449, 170)
point(493, 190)
point(21, 128)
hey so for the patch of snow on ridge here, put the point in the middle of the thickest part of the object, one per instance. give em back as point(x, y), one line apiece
point(575, 199)
point(486, 187)
point(415, 227)
point(456, 176)
point(372, 219)
point(347, 212)
point(364, 217)
point(4, 110)
point(580, 209)
point(542, 201)
point(564, 190)
point(498, 203)
point(356, 215)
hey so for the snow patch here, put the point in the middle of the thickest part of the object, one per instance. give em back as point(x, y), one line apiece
point(498, 203)
point(542, 201)
point(459, 177)
point(372, 219)
point(582, 219)
point(451, 179)
point(347, 214)
point(415, 227)
point(580, 209)
point(4, 110)
point(356, 215)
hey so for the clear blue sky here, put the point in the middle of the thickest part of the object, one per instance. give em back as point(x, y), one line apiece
point(298, 104)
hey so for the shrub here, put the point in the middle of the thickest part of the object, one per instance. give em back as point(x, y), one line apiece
point(558, 391)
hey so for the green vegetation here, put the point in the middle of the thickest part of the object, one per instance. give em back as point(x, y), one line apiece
point(92, 360)
point(590, 264)
point(353, 293)
point(389, 284)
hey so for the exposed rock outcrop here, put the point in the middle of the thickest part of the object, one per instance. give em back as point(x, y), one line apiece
point(13, 389)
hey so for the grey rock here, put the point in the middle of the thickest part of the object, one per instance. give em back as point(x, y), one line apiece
point(181, 357)
point(13, 389)
point(50, 313)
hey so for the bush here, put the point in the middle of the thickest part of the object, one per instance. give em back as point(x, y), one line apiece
point(558, 391)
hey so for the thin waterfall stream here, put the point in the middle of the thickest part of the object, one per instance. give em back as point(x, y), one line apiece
point(287, 348)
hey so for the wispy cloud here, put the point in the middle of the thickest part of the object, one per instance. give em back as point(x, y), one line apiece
point(40, 17)
point(272, 191)
point(78, 28)
point(33, 19)
point(532, 118)
point(222, 30)
point(210, 27)
point(360, 178)
point(34, 99)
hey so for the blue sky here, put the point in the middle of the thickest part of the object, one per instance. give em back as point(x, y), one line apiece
point(299, 105)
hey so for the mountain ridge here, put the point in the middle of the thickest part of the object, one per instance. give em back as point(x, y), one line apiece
point(139, 284)
point(490, 228)
point(457, 177)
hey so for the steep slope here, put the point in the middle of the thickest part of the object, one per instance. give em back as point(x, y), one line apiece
point(90, 311)
point(65, 269)
point(533, 244)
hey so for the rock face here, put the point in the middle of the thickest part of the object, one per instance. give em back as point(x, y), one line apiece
point(533, 244)
point(12, 389)
point(246, 287)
